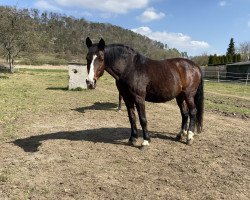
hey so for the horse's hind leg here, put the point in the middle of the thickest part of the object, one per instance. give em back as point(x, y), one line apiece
point(184, 115)
point(192, 115)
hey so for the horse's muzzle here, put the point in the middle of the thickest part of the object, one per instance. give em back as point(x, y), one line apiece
point(91, 84)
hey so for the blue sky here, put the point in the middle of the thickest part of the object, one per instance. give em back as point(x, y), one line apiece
point(194, 26)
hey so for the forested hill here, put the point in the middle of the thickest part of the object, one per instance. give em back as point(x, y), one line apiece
point(33, 32)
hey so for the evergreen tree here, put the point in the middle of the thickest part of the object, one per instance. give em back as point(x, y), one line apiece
point(229, 58)
point(231, 48)
point(219, 60)
point(210, 60)
point(224, 59)
point(234, 58)
point(215, 60)
point(238, 59)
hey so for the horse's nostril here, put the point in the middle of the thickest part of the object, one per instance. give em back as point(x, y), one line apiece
point(87, 81)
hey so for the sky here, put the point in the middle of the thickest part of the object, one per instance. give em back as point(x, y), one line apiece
point(192, 26)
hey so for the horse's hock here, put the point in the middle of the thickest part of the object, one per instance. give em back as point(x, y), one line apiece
point(77, 76)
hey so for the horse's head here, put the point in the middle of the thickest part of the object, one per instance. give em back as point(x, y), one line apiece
point(95, 62)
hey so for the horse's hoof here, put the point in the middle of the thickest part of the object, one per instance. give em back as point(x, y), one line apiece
point(119, 110)
point(145, 144)
point(178, 137)
point(182, 133)
point(190, 142)
point(132, 142)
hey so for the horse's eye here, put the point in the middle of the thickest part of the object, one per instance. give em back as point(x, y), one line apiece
point(88, 57)
point(100, 58)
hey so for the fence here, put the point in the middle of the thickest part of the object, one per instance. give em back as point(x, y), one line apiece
point(223, 75)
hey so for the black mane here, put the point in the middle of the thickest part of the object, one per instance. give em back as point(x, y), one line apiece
point(113, 52)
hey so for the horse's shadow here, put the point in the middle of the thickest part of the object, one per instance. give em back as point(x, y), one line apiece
point(98, 106)
point(101, 135)
point(58, 88)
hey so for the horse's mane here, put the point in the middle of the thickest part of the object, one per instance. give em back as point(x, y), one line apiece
point(118, 51)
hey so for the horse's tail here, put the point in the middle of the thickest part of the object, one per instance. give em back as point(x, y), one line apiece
point(199, 103)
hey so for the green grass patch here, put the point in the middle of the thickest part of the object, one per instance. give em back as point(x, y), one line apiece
point(231, 88)
point(232, 98)
point(4, 77)
point(3, 178)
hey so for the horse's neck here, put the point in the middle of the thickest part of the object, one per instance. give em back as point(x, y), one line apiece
point(112, 72)
point(115, 65)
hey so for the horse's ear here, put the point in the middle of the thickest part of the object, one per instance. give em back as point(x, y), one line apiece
point(88, 42)
point(101, 44)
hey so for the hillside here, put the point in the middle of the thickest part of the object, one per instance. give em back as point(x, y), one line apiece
point(39, 37)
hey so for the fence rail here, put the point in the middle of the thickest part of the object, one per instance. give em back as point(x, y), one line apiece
point(220, 76)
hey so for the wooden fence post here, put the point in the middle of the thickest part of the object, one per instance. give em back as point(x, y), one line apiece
point(218, 75)
point(247, 78)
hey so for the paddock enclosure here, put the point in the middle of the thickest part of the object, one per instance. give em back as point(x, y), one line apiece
point(61, 144)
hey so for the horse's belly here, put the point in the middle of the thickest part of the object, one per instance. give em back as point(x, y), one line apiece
point(161, 94)
point(158, 98)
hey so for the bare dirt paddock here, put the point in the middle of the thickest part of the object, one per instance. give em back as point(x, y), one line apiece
point(59, 144)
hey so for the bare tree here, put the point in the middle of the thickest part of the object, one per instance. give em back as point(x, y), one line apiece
point(244, 50)
point(13, 34)
point(201, 60)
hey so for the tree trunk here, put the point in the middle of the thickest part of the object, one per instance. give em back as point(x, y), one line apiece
point(10, 60)
point(12, 67)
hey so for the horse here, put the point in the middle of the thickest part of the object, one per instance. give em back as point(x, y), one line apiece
point(141, 79)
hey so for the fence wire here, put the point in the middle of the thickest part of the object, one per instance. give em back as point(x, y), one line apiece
point(221, 76)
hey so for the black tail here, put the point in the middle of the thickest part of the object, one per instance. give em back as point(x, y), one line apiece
point(199, 103)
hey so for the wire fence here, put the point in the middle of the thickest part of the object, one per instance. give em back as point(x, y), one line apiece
point(224, 76)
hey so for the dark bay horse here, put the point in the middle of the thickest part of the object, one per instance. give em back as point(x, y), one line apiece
point(141, 79)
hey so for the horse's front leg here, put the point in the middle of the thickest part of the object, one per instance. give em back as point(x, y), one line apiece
point(132, 119)
point(140, 105)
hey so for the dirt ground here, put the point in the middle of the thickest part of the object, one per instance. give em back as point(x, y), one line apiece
point(82, 153)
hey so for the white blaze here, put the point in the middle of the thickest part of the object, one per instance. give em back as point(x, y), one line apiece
point(91, 74)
